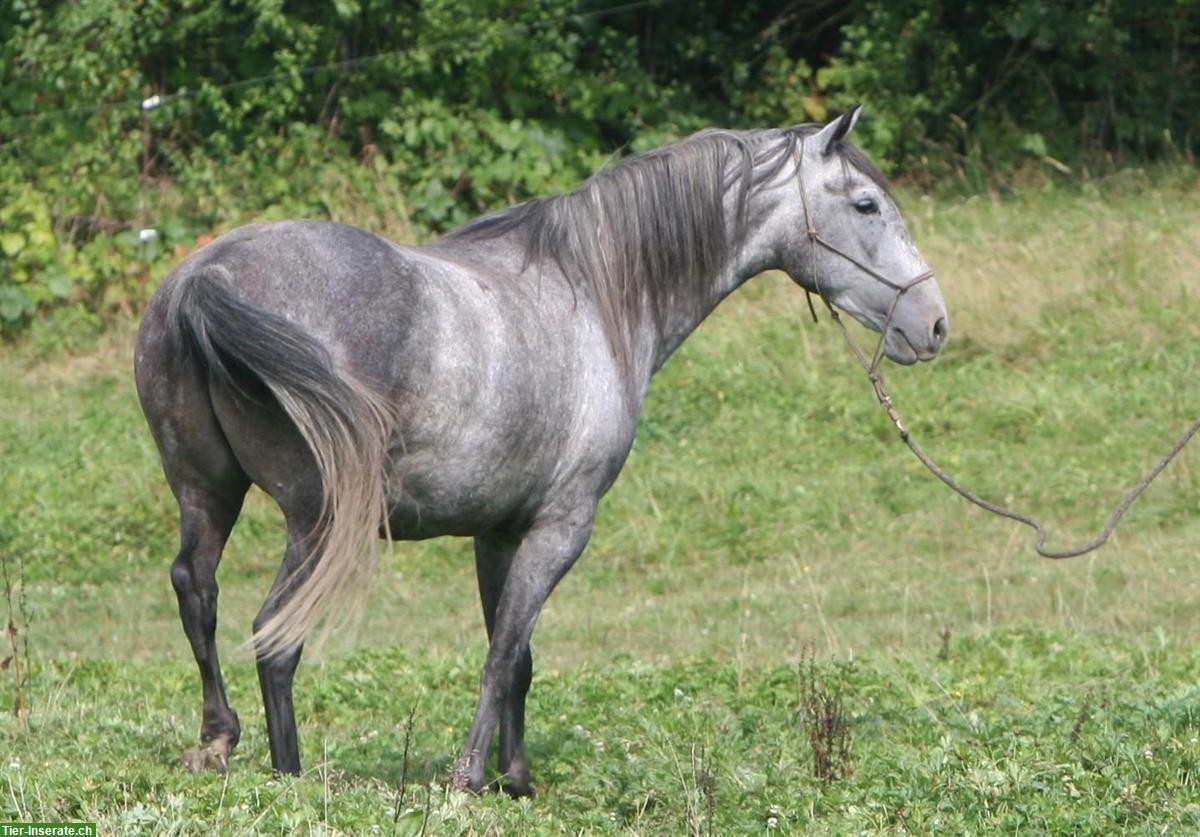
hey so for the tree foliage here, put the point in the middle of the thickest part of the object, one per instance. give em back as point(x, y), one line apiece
point(986, 83)
point(448, 108)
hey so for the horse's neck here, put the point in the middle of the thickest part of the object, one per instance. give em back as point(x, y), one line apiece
point(752, 258)
point(679, 324)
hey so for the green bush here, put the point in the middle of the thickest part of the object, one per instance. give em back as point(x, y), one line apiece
point(439, 110)
point(421, 115)
point(982, 86)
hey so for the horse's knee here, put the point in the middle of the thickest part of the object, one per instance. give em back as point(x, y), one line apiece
point(187, 577)
point(181, 575)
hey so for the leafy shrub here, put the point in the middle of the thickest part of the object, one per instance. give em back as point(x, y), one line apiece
point(432, 112)
point(985, 85)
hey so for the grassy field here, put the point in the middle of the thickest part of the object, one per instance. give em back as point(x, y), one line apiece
point(767, 512)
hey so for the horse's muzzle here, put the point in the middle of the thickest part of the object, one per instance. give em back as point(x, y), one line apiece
point(901, 346)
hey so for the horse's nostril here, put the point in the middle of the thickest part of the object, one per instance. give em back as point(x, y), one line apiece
point(939, 331)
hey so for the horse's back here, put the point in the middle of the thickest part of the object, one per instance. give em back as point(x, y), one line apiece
point(334, 280)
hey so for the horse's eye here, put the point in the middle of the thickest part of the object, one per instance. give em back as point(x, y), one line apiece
point(866, 206)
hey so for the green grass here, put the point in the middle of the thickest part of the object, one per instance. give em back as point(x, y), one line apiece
point(767, 508)
point(1018, 732)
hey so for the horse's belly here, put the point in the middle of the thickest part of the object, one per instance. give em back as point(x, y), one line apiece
point(503, 480)
point(496, 427)
point(445, 495)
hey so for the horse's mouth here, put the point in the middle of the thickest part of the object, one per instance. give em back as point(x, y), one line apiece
point(901, 350)
point(897, 346)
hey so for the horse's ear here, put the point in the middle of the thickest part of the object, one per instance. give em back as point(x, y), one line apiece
point(835, 131)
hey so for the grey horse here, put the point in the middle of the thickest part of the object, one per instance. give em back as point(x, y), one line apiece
point(486, 385)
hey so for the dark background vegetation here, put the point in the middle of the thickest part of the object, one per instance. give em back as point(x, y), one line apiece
point(432, 112)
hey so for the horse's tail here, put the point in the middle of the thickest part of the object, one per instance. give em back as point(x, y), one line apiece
point(346, 425)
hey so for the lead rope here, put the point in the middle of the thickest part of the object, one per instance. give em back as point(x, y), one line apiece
point(875, 376)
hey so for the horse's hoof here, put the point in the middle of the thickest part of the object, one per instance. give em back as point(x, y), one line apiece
point(463, 778)
point(518, 790)
point(214, 755)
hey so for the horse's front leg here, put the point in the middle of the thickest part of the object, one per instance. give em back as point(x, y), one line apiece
point(493, 557)
point(518, 585)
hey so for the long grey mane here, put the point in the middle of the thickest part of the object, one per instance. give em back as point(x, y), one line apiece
point(649, 235)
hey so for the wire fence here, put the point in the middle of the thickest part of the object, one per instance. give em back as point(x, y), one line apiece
point(132, 106)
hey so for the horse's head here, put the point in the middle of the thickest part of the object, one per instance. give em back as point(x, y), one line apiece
point(852, 247)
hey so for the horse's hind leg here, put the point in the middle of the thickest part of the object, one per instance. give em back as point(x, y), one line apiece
point(276, 672)
point(206, 520)
point(209, 484)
